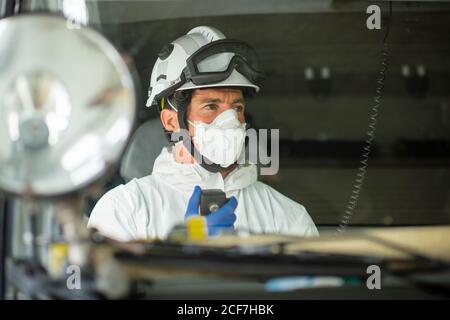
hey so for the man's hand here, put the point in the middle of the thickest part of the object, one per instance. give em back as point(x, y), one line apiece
point(222, 218)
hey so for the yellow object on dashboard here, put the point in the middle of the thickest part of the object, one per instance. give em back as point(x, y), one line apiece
point(196, 228)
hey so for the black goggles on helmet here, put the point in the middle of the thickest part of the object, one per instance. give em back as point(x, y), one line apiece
point(216, 61)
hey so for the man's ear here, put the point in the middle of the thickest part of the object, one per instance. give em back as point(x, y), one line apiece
point(169, 119)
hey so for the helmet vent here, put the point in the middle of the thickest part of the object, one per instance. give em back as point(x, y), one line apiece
point(161, 76)
point(165, 51)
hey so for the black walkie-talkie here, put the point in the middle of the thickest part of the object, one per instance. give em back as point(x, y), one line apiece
point(211, 200)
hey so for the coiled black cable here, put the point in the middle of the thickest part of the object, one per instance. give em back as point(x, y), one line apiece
point(362, 169)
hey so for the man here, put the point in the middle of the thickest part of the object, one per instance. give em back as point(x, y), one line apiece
point(199, 82)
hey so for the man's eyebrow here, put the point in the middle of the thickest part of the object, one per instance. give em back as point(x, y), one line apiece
point(217, 100)
point(210, 100)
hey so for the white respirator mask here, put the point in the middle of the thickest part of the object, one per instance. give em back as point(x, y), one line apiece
point(222, 140)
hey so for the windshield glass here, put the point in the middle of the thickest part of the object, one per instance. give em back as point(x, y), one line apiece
point(363, 128)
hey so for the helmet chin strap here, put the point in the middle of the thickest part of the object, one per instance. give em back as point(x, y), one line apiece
point(189, 144)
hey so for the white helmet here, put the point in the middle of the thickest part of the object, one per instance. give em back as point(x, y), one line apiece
point(203, 58)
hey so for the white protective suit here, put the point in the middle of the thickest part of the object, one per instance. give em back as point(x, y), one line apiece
point(151, 206)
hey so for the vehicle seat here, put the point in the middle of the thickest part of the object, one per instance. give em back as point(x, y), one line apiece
point(143, 149)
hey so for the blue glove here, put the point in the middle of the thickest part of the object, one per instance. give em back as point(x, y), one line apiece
point(222, 218)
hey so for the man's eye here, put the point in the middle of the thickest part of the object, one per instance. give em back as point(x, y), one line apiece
point(238, 108)
point(210, 107)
